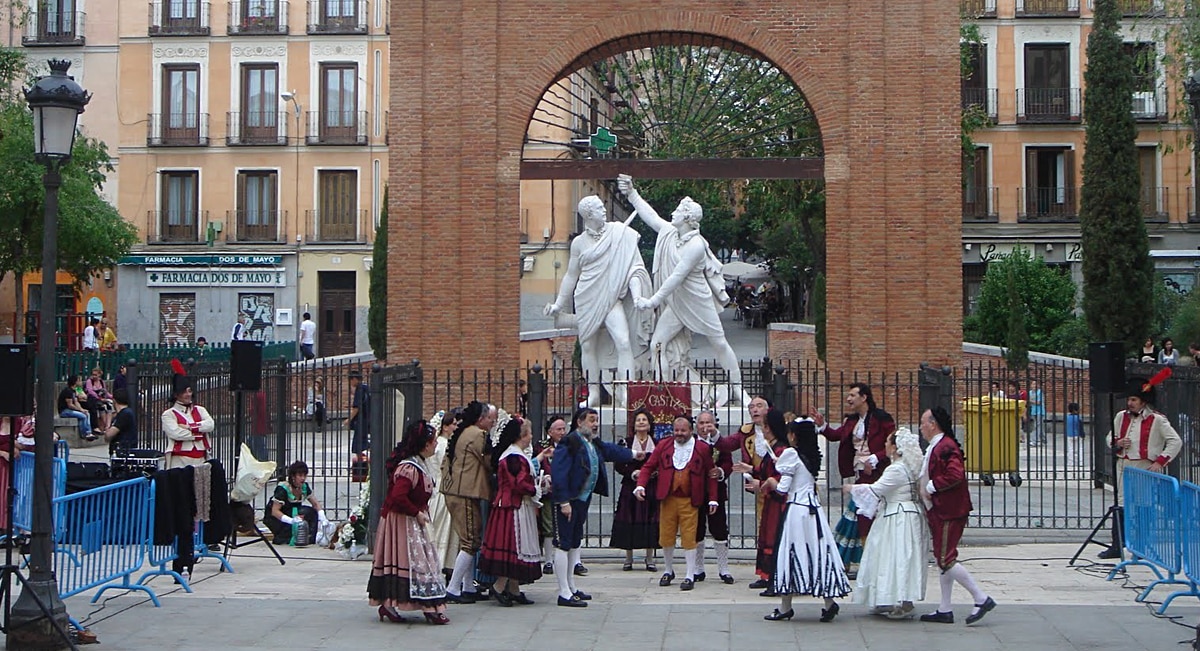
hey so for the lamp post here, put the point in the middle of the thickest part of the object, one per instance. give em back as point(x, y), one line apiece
point(38, 615)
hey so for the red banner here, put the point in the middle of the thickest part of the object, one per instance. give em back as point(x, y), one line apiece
point(664, 401)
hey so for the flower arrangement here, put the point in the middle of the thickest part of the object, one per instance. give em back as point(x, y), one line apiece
point(352, 537)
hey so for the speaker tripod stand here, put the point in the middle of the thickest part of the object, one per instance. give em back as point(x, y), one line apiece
point(1113, 517)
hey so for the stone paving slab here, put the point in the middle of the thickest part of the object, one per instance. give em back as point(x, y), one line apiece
point(318, 601)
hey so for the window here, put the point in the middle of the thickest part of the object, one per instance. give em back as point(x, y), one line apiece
point(1047, 92)
point(339, 11)
point(180, 206)
point(181, 104)
point(1152, 200)
point(338, 205)
point(260, 98)
point(1049, 183)
point(54, 21)
point(977, 199)
point(183, 17)
point(258, 214)
point(339, 102)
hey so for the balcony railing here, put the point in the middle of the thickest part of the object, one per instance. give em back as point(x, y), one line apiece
point(256, 226)
point(979, 205)
point(177, 130)
point(339, 226)
point(1048, 205)
point(336, 128)
point(1137, 8)
point(1150, 105)
point(249, 128)
point(1048, 105)
point(179, 18)
point(176, 226)
point(985, 98)
point(48, 26)
point(257, 17)
point(1154, 205)
point(1047, 8)
point(977, 8)
point(337, 17)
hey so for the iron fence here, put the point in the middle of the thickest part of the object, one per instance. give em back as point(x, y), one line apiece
point(1023, 472)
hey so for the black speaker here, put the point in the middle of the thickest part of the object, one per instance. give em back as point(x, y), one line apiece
point(245, 365)
point(1106, 366)
point(16, 367)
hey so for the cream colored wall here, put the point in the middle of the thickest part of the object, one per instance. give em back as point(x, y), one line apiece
point(311, 263)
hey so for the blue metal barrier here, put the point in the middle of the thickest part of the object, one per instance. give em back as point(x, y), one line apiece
point(103, 538)
point(1189, 542)
point(22, 515)
point(162, 555)
point(1152, 527)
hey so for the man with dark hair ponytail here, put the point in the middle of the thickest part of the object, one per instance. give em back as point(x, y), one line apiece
point(465, 485)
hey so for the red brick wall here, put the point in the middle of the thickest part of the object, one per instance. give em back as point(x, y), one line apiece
point(882, 80)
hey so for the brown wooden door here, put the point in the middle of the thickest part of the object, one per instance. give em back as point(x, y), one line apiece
point(338, 206)
point(337, 309)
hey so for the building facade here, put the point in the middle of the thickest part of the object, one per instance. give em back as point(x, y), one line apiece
point(1021, 187)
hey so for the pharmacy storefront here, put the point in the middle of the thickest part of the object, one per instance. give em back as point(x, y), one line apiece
point(176, 298)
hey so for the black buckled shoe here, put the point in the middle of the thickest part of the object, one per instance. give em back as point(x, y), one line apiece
point(666, 579)
point(984, 608)
point(778, 616)
point(939, 617)
point(727, 579)
point(462, 599)
point(699, 577)
point(580, 570)
point(583, 596)
point(504, 599)
point(573, 602)
point(686, 584)
point(760, 584)
point(521, 600)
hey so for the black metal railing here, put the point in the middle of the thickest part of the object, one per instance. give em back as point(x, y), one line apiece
point(1140, 8)
point(985, 98)
point(46, 25)
point(179, 18)
point(1048, 105)
point(256, 128)
point(177, 130)
point(1047, 8)
point(977, 8)
point(336, 128)
point(979, 205)
point(1054, 204)
point(266, 226)
point(1192, 216)
point(1154, 205)
point(176, 226)
point(1150, 105)
point(339, 226)
point(337, 17)
point(257, 17)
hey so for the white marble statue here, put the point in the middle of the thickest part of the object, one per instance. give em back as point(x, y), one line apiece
point(605, 276)
point(689, 293)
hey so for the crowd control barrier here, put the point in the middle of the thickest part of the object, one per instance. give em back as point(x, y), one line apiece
point(1162, 532)
point(22, 513)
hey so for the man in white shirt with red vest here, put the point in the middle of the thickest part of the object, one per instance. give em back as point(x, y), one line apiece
point(187, 425)
point(1141, 438)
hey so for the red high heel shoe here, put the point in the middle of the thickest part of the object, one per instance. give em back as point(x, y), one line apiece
point(386, 614)
point(437, 618)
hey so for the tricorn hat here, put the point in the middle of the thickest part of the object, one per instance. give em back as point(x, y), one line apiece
point(1144, 389)
point(180, 382)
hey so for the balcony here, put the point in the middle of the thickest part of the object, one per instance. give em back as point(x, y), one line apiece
point(245, 129)
point(179, 18)
point(1150, 105)
point(1137, 8)
point(339, 226)
point(256, 226)
point(336, 128)
point(1154, 205)
point(176, 226)
point(257, 18)
point(177, 130)
point(979, 206)
point(337, 17)
point(48, 26)
point(1048, 205)
point(1047, 8)
point(1192, 217)
point(985, 98)
point(1048, 105)
point(977, 8)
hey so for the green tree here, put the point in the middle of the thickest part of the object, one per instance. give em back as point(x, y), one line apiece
point(377, 312)
point(818, 311)
point(1185, 328)
point(1118, 274)
point(1047, 294)
point(1016, 355)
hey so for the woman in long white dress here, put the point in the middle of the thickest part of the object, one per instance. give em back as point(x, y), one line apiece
point(892, 573)
point(440, 533)
point(807, 560)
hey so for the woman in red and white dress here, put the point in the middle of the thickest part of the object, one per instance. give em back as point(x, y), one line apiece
point(512, 550)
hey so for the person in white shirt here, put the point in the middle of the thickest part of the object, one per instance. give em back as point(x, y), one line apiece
point(308, 333)
point(89, 336)
point(186, 424)
point(239, 329)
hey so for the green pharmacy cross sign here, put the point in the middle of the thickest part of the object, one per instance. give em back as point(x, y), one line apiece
point(603, 140)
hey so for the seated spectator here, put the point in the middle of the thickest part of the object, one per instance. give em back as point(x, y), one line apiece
point(121, 380)
point(287, 506)
point(1168, 355)
point(25, 433)
point(99, 400)
point(69, 407)
point(121, 436)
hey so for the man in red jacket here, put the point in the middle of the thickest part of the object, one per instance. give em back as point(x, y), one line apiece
point(943, 487)
point(685, 484)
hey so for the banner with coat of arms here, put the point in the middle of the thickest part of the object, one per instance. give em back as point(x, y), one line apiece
point(664, 401)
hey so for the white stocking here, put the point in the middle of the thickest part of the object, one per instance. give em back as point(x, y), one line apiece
point(573, 557)
point(699, 556)
point(464, 570)
point(947, 583)
point(562, 572)
point(722, 556)
point(960, 574)
point(669, 560)
point(548, 550)
point(691, 555)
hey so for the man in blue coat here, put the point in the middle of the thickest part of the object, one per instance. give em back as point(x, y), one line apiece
point(576, 473)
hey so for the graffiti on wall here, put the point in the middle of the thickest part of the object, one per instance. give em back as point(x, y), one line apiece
point(258, 312)
point(177, 325)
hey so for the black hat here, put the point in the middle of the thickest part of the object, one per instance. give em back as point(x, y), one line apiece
point(1143, 388)
point(180, 382)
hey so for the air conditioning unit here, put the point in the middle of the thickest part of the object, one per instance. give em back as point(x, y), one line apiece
point(1144, 105)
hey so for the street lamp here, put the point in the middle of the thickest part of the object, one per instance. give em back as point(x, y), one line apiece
point(39, 617)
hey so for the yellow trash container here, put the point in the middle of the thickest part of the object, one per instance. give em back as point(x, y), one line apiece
point(992, 428)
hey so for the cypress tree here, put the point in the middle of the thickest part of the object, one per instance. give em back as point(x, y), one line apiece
point(1118, 274)
point(1016, 355)
point(818, 312)
point(377, 312)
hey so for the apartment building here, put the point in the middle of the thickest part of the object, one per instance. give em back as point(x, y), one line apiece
point(1022, 185)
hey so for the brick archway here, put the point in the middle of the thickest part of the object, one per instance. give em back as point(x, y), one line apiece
point(882, 80)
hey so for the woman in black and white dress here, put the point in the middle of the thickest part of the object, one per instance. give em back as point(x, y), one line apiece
point(807, 561)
